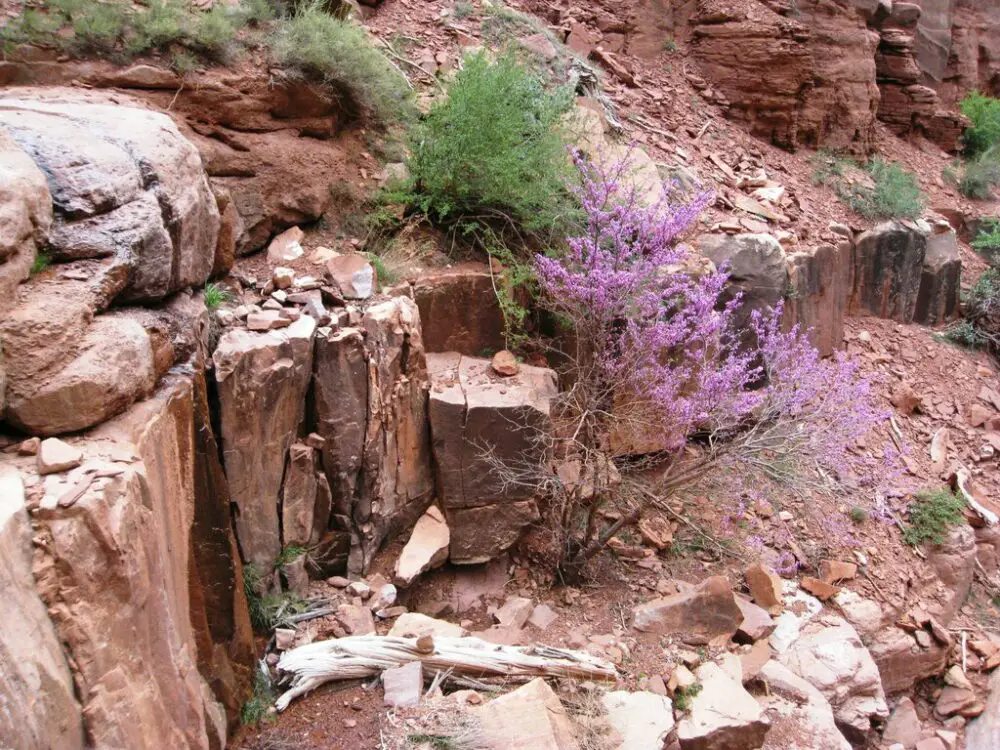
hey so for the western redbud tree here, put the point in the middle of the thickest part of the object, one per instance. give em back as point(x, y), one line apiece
point(654, 352)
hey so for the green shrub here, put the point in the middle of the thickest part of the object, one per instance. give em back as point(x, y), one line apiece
point(984, 112)
point(341, 55)
point(41, 262)
point(494, 151)
point(98, 27)
point(214, 32)
point(256, 708)
point(987, 240)
point(981, 175)
point(268, 611)
point(156, 27)
point(216, 295)
point(931, 515)
point(895, 194)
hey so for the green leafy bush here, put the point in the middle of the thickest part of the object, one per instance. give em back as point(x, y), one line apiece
point(494, 153)
point(981, 175)
point(984, 112)
point(895, 194)
point(931, 515)
point(987, 240)
point(341, 55)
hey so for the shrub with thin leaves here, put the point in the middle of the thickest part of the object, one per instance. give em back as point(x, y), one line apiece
point(984, 112)
point(981, 175)
point(894, 195)
point(932, 515)
point(341, 55)
point(493, 151)
point(987, 240)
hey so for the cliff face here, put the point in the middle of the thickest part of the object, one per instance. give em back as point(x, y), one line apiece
point(958, 46)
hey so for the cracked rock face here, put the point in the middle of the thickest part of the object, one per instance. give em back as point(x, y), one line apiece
point(473, 412)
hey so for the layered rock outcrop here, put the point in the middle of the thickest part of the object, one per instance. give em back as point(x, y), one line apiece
point(794, 79)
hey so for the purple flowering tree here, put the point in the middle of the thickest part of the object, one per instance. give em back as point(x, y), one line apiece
point(654, 352)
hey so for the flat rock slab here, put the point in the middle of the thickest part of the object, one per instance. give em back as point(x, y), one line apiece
point(529, 718)
point(723, 716)
point(642, 719)
point(708, 611)
point(414, 624)
point(54, 456)
point(403, 685)
point(426, 548)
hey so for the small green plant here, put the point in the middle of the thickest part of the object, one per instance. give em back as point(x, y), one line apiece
point(384, 272)
point(257, 707)
point(98, 27)
point(987, 239)
point(931, 515)
point(858, 514)
point(464, 10)
point(267, 611)
point(500, 23)
point(289, 554)
point(981, 175)
point(514, 286)
point(41, 262)
point(949, 175)
point(669, 46)
point(216, 296)
point(984, 112)
point(965, 333)
point(895, 195)
point(341, 55)
point(493, 154)
point(183, 63)
point(684, 695)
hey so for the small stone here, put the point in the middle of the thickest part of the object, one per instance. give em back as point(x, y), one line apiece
point(284, 638)
point(757, 623)
point(542, 616)
point(954, 700)
point(820, 589)
point(956, 678)
point(29, 447)
point(426, 548)
point(286, 247)
point(338, 582)
point(359, 588)
point(786, 516)
point(54, 456)
point(350, 723)
point(903, 725)
point(403, 685)
point(282, 277)
point(505, 363)
point(384, 598)
point(924, 639)
point(657, 532)
point(391, 612)
point(514, 612)
point(765, 587)
point(833, 571)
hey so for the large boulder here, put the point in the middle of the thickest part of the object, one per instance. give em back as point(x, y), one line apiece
point(940, 279)
point(478, 418)
point(124, 183)
point(830, 656)
point(818, 282)
point(803, 717)
point(139, 573)
point(529, 718)
point(888, 267)
point(723, 715)
point(39, 707)
point(25, 218)
point(371, 407)
point(262, 383)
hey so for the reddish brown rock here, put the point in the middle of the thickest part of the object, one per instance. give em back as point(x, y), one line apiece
point(505, 364)
point(426, 548)
point(470, 409)
point(820, 589)
point(706, 612)
point(820, 280)
point(888, 266)
point(757, 623)
point(765, 587)
point(459, 312)
point(834, 571)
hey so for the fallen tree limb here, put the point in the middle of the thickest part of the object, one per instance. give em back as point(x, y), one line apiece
point(367, 655)
point(961, 479)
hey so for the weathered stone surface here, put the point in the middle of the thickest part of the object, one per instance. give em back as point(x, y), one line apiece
point(286, 247)
point(803, 717)
point(819, 280)
point(902, 663)
point(529, 718)
point(514, 612)
point(757, 623)
point(54, 456)
point(262, 383)
point(642, 719)
point(403, 685)
point(903, 726)
point(708, 611)
point(25, 218)
point(113, 368)
point(829, 654)
point(758, 270)
point(803, 79)
point(940, 280)
point(723, 716)
point(38, 709)
point(459, 311)
point(371, 408)
point(124, 183)
point(426, 548)
point(888, 265)
point(765, 587)
point(353, 275)
point(121, 573)
point(953, 563)
point(472, 411)
point(298, 496)
point(983, 733)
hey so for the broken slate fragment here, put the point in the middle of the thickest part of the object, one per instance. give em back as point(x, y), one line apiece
point(54, 456)
point(403, 685)
point(427, 547)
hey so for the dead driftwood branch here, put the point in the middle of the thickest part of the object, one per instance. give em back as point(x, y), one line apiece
point(363, 656)
point(961, 480)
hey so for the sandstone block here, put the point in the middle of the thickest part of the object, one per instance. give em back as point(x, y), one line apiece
point(426, 548)
point(708, 611)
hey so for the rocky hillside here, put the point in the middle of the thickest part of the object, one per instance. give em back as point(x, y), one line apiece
point(269, 414)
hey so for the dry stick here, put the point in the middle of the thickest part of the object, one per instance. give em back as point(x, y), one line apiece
point(392, 53)
point(874, 585)
point(662, 505)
